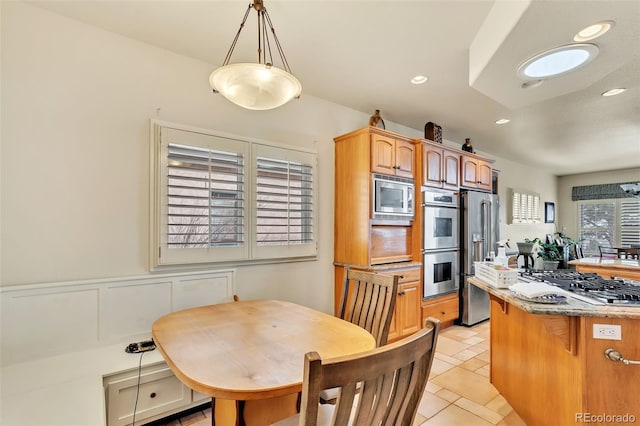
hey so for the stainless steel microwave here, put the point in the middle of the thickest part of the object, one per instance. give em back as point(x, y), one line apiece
point(392, 197)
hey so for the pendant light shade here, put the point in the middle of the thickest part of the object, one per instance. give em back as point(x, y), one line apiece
point(261, 85)
point(255, 86)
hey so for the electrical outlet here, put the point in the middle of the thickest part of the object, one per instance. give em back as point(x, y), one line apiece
point(607, 331)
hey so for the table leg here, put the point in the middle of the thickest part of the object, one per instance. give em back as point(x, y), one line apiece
point(224, 412)
point(258, 412)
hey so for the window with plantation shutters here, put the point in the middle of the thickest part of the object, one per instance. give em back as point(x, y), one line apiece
point(284, 201)
point(224, 199)
point(608, 223)
point(525, 207)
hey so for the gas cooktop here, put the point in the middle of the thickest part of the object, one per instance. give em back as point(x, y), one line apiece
point(589, 287)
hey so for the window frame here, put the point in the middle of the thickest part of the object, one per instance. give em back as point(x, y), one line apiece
point(161, 257)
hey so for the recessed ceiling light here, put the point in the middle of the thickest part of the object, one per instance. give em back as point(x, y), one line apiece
point(503, 121)
point(419, 79)
point(558, 61)
point(594, 31)
point(614, 92)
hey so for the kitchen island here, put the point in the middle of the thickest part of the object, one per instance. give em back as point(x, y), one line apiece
point(552, 371)
point(608, 268)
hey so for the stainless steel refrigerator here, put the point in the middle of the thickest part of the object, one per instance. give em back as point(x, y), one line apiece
point(479, 229)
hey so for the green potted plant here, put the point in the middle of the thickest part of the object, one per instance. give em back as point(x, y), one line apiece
point(549, 253)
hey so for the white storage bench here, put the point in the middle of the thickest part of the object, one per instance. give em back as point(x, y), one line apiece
point(63, 357)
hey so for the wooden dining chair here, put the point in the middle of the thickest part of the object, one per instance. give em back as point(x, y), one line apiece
point(368, 300)
point(382, 386)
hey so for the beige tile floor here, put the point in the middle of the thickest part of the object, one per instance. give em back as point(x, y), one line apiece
point(458, 391)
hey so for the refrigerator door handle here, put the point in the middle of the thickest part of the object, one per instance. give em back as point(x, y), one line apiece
point(485, 226)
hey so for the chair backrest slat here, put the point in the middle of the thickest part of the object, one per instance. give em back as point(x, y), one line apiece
point(382, 386)
point(368, 300)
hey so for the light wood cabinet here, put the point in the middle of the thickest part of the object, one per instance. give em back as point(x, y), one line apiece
point(392, 156)
point(440, 167)
point(358, 239)
point(475, 172)
point(361, 242)
point(553, 361)
point(406, 316)
point(445, 308)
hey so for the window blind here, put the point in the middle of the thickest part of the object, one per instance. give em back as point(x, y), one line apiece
point(284, 202)
point(629, 223)
point(205, 197)
point(596, 225)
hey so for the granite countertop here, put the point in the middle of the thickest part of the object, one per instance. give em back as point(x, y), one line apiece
point(632, 265)
point(573, 307)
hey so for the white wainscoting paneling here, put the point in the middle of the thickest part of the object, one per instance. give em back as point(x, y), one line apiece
point(41, 320)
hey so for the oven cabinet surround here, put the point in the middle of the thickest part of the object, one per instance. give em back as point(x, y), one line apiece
point(63, 348)
point(547, 365)
point(364, 243)
point(609, 268)
point(359, 239)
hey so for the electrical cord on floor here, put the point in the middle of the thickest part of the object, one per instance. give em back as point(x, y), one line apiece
point(135, 407)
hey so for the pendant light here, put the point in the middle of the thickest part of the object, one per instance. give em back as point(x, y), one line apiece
point(261, 85)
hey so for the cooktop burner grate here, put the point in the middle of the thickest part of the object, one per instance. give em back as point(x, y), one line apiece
point(589, 286)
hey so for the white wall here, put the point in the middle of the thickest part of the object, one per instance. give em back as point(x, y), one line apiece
point(76, 104)
point(568, 213)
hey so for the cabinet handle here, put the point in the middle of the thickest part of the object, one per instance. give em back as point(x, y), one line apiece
point(153, 395)
point(401, 293)
point(442, 313)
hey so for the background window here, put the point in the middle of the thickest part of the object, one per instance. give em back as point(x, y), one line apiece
point(608, 223)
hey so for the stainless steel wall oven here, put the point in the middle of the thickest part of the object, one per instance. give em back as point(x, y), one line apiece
point(440, 244)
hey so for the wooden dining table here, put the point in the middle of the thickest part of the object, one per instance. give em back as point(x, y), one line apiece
point(249, 355)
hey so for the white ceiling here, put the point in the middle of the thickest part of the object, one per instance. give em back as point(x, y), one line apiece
point(362, 54)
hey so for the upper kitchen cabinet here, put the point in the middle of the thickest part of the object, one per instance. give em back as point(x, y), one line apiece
point(475, 172)
point(439, 167)
point(392, 155)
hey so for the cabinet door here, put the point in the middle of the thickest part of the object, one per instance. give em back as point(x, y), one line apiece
point(405, 158)
point(409, 299)
point(450, 169)
point(484, 175)
point(407, 313)
point(469, 172)
point(383, 156)
point(432, 166)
